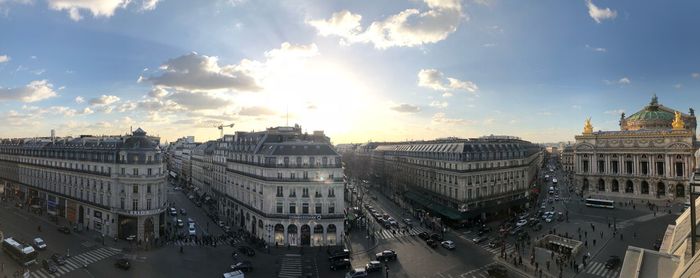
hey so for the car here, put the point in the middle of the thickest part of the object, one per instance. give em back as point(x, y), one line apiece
point(123, 263)
point(479, 239)
point(482, 232)
point(497, 271)
point(356, 273)
point(191, 230)
point(173, 211)
point(373, 266)
point(183, 211)
point(524, 216)
point(431, 242)
point(424, 236)
point(386, 255)
point(58, 259)
point(448, 244)
point(393, 222)
point(39, 243)
point(64, 229)
point(341, 264)
point(613, 262)
point(221, 223)
point(521, 222)
point(407, 221)
point(131, 238)
point(548, 219)
point(180, 223)
point(516, 231)
point(339, 255)
point(495, 243)
point(49, 266)
point(190, 221)
point(177, 188)
point(436, 237)
point(227, 229)
point(246, 250)
point(244, 266)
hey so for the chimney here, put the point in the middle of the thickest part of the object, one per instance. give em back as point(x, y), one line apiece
point(53, 136)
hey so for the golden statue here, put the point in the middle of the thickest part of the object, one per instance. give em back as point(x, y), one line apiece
point(587, 127)
point(678, 123)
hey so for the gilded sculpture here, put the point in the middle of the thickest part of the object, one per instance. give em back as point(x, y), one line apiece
point(587, 127)
point(678, 123)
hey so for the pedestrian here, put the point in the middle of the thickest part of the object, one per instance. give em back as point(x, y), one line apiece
point(594, 242)
point(601, 234)
point(621, 236)
point(585, 243)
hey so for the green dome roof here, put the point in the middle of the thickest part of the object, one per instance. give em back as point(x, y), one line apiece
point(651, 113)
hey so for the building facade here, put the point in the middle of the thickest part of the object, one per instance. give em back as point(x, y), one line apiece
point(280, 185)
point(651, 157)
point(459, 179)
point(179, 159)
point(567, 159)
point(115, 185)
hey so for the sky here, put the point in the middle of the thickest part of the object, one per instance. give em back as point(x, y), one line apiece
point(380, 70)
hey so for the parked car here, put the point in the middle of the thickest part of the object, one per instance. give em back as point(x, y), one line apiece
point(436, 237)
point(246, 250)
point(431, 242)
point(373, 266)
point(341, 264)
point(479, 239)
point(180, 223)
point(244, 266)
point(64, 229)
point(521, 222)
point(613, 262)
point(356, 273)
point(386, 255)
point(424, 236)
point(58, 259)
point(339, 255)
point(191, 230)
point(173, 211)
point(448, 244)
point(123, 263)
point(49, 266)
point(39, 243)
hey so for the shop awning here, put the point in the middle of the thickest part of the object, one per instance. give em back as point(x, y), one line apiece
point(443, 210)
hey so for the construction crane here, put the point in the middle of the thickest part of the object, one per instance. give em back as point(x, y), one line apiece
point(221, 128)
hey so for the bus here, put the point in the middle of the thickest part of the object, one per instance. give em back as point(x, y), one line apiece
point(24, 254)
point(598, 203)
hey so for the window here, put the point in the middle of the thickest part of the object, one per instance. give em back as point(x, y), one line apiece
point(601, 166)
point(306, 175)
point(679, 169)
point(298, 161)
point(148, 204)
point(331, 208)
point(148, 188)
point(136, 189)
point(305, 192)
point(292, 208)
point(123, 171)
point(279, 207)
point(585, 166)
point(312, 161)
point(645, 167)
point(305, 208)
point(628, 167)
point(279, 175)
point(135, 204)
point(615, 169)
point(318, 208)
point(150, 171)
point(292, 192)
point(292, 176)
point(318, 194)
point(280, 191)
point(331, 192)
point(121, 203)
point(660, 168)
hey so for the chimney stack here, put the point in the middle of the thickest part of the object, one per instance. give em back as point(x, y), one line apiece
point(53, 136)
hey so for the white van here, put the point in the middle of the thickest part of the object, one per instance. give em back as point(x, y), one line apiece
point(234, 274)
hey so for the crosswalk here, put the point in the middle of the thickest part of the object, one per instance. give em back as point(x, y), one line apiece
point(598, 269)
point(481, 272)
point(388, 234)
point(290, 267)
point(193, 243)
point(510, 248)
point(75, 262)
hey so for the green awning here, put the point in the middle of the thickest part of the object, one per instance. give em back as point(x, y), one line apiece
point(443, 210)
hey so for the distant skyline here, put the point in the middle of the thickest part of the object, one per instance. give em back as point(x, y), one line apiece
point(381, 70)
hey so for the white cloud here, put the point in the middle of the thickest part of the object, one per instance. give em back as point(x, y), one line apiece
point(576, 107)
point(489, 44)
point(624, 81)
point(34, 91)
point(599, 14)
point(678, 86)
point(433, 79)
point(79, 100)
point(695, 75)
point(596, 49)
point(615, 112)
point(4, 58)
point(406, 108)
point(256, 111)
point(157, 92)
point(200, 72)
point(408, 28)
point(197, 100)
point(489, 121)
point(439, 104)
point(87, 111)
point(98, 8)
point(104, 100)
point(441, 118)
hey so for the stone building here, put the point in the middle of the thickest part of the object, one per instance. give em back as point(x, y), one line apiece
point(115, 185)
point(650, 157)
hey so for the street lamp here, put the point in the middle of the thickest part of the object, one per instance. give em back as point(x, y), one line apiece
point(694, 192)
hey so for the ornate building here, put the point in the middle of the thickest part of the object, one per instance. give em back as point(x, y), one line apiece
point(115, 185)
point(651, 157)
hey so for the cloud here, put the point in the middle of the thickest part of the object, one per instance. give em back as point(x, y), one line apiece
point(256, 111)
point(615, 112)
point(79, 100)
point(439, 104)
point(197, 100)
point(489, 44)
point(34, 91)
point(200, 72)
point(678, 86)
point(596, 49)
point(433, 79)
point(544, 113)
point(441, 118)
point(104, 100)
point(98, 8)
point(599, 14)
point(624, 81)
point(576, 107)
point(408, 28)
point(157, 92)
point(695, 75)
point(406, 108)
point(489, 121)
point(4, 58)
